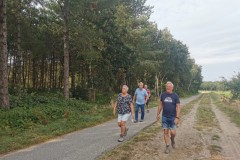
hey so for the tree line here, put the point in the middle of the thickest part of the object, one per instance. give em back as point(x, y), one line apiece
point(85, 46)
point(233, 85)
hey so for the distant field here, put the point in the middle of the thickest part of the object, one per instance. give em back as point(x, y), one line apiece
point(227, 94)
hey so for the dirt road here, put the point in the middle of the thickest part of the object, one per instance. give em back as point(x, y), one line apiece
point(195, 140)
point(230, 136)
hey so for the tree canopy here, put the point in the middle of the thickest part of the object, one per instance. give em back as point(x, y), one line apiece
point(104, 43)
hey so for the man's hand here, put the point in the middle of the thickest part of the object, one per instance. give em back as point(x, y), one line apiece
point(176, 121)
point(158, 117)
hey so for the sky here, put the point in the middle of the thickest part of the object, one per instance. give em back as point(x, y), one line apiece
point(210, 28)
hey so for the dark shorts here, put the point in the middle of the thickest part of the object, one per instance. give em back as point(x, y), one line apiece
point(168, 123)
point(147, 101)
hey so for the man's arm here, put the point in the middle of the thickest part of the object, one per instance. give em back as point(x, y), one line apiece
point(134, 98)
point(132, 110)
point(178, 110)
point(146, 96)
point(177, 114)
point(159, 110)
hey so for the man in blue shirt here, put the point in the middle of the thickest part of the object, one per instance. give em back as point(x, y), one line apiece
point(141, 97)
point(170, 107)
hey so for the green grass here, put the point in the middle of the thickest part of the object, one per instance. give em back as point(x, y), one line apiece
point(154, 102)
point(215, 149)
point(227, 94)
point(34, 119)
point(229, 108)
point(215, 137)
point(205, 117)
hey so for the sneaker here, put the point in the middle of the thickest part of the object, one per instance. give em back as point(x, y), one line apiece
point(126, 132)
point(167, 150)
point(135, 121)
point(141, 120)
point(121, 139)
point(173, 143)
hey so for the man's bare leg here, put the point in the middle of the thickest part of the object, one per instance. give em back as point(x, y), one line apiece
point(173, 134)
point(166, 139)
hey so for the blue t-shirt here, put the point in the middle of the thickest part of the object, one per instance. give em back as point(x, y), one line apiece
point(140, 96)
point(169, 102)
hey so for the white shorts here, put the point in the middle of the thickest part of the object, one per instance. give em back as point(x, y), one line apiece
point(123, 117)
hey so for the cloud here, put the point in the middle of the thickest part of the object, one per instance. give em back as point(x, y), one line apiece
point(209, 28)
point(217, 60)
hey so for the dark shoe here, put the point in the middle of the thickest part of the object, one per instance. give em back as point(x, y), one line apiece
point(141, 120)
point(135, 121)
point(167, 150)
point(173, 143)
point(148, 111)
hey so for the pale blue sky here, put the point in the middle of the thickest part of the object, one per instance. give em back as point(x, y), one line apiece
point(210, 28)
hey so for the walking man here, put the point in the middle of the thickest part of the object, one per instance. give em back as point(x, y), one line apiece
point(140, 97)
point(149, 95)
point(170, 107)
point(124, 107)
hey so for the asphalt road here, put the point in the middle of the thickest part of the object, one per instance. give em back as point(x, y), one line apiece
point(86, 144)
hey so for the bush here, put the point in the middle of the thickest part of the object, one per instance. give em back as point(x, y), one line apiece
point(234, 86)
point(35, 118)
point(104, 98)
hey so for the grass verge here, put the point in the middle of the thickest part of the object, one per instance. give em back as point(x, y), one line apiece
point(124, 151)
point(231, 109)
point(205, 117)
point(36, 119)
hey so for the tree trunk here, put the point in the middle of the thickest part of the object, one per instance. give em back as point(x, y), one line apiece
point(66, 50)
point(34, 73)
point(18, 55)
point(23, 72)
point(162, 83)
point(28, 71)
point(156, 85)
point(42, 73)
point(14, 71)
point(10, 67)
point(189, 85)
point(4, 97)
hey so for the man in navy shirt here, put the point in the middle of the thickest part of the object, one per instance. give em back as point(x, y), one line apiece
point(170, 107)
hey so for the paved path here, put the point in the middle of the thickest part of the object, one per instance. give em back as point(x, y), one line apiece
point(86, 144)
